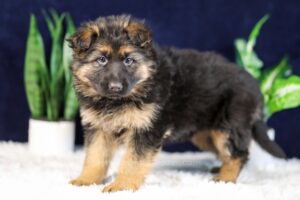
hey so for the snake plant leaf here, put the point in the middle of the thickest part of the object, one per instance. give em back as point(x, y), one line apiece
point(285, 94)
point(54, 22)
point(67, 51)
point(71, 102)
point(281, 70)
point(47, 87)
point(55, 26)
point(54, 15)
point(70, 24)
point(35, 73)
point(56, 91)
point(247, 60)
point(49, 22)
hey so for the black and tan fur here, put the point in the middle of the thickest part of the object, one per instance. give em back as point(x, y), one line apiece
point(135, 93)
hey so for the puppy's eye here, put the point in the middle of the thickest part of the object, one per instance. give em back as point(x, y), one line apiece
point(128, 61)
point(102, 60)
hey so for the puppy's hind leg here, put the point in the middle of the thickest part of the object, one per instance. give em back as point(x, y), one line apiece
point(99, 152)
point(203, 140)
point(232, 158)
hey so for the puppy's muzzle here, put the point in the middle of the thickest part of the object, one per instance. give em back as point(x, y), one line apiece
point(115, 87)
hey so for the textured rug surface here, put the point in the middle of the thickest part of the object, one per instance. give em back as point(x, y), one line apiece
point(175, 176)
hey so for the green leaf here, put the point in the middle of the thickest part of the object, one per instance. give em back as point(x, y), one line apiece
point(71, 102)
point(255, 32)
point(247, 60)
point(279, 93)
point(70, 24)
point(55, 26)
point(56, 94)
point(45, 90)
point(54, 15)
point(67, 51)
point(56, 57)
point(270, 76)
point(54, 23)
point(49, 22)
point(281, 70)
point(245, 55)
point(35, 73)
point(240, 45)
point(285, 94)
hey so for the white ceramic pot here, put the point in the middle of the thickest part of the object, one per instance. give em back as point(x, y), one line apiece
point(51, 138)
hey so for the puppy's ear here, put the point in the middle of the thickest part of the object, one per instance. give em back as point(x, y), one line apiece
point(139, 33)
point(84, 37)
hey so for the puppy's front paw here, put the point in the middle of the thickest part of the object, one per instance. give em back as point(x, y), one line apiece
point(219, 178)
point(82, 181)
point(116, 186)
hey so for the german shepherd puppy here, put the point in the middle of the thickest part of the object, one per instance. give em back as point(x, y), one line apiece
point(135, 93)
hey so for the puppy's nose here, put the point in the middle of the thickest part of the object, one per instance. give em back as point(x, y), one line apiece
point(115, 86)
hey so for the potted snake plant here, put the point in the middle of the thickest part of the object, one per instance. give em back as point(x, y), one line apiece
point(280, 88)
point(50, 95)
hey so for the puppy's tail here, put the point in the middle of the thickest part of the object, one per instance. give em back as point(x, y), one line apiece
point(259, 132)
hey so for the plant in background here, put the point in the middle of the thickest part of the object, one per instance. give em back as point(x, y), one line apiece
point(48, 86)
point(280, 88)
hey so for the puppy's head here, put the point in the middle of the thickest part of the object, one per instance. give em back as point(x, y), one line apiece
point(113, 57)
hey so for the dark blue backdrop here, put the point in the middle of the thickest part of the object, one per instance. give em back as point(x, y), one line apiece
point(199, 24)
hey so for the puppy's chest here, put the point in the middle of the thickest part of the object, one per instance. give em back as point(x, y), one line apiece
point(127, 117)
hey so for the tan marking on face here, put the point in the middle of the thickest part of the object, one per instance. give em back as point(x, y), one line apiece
point(83, 84)
point(126, 49)
point(98, 156)
point(129, 117)
point(82, 72)
point(144, 72)
point(138, 90)
point(105, 49)
point(132, 171)
point(86, 90)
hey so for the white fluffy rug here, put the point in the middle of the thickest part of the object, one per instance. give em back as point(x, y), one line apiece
point(175, 176)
